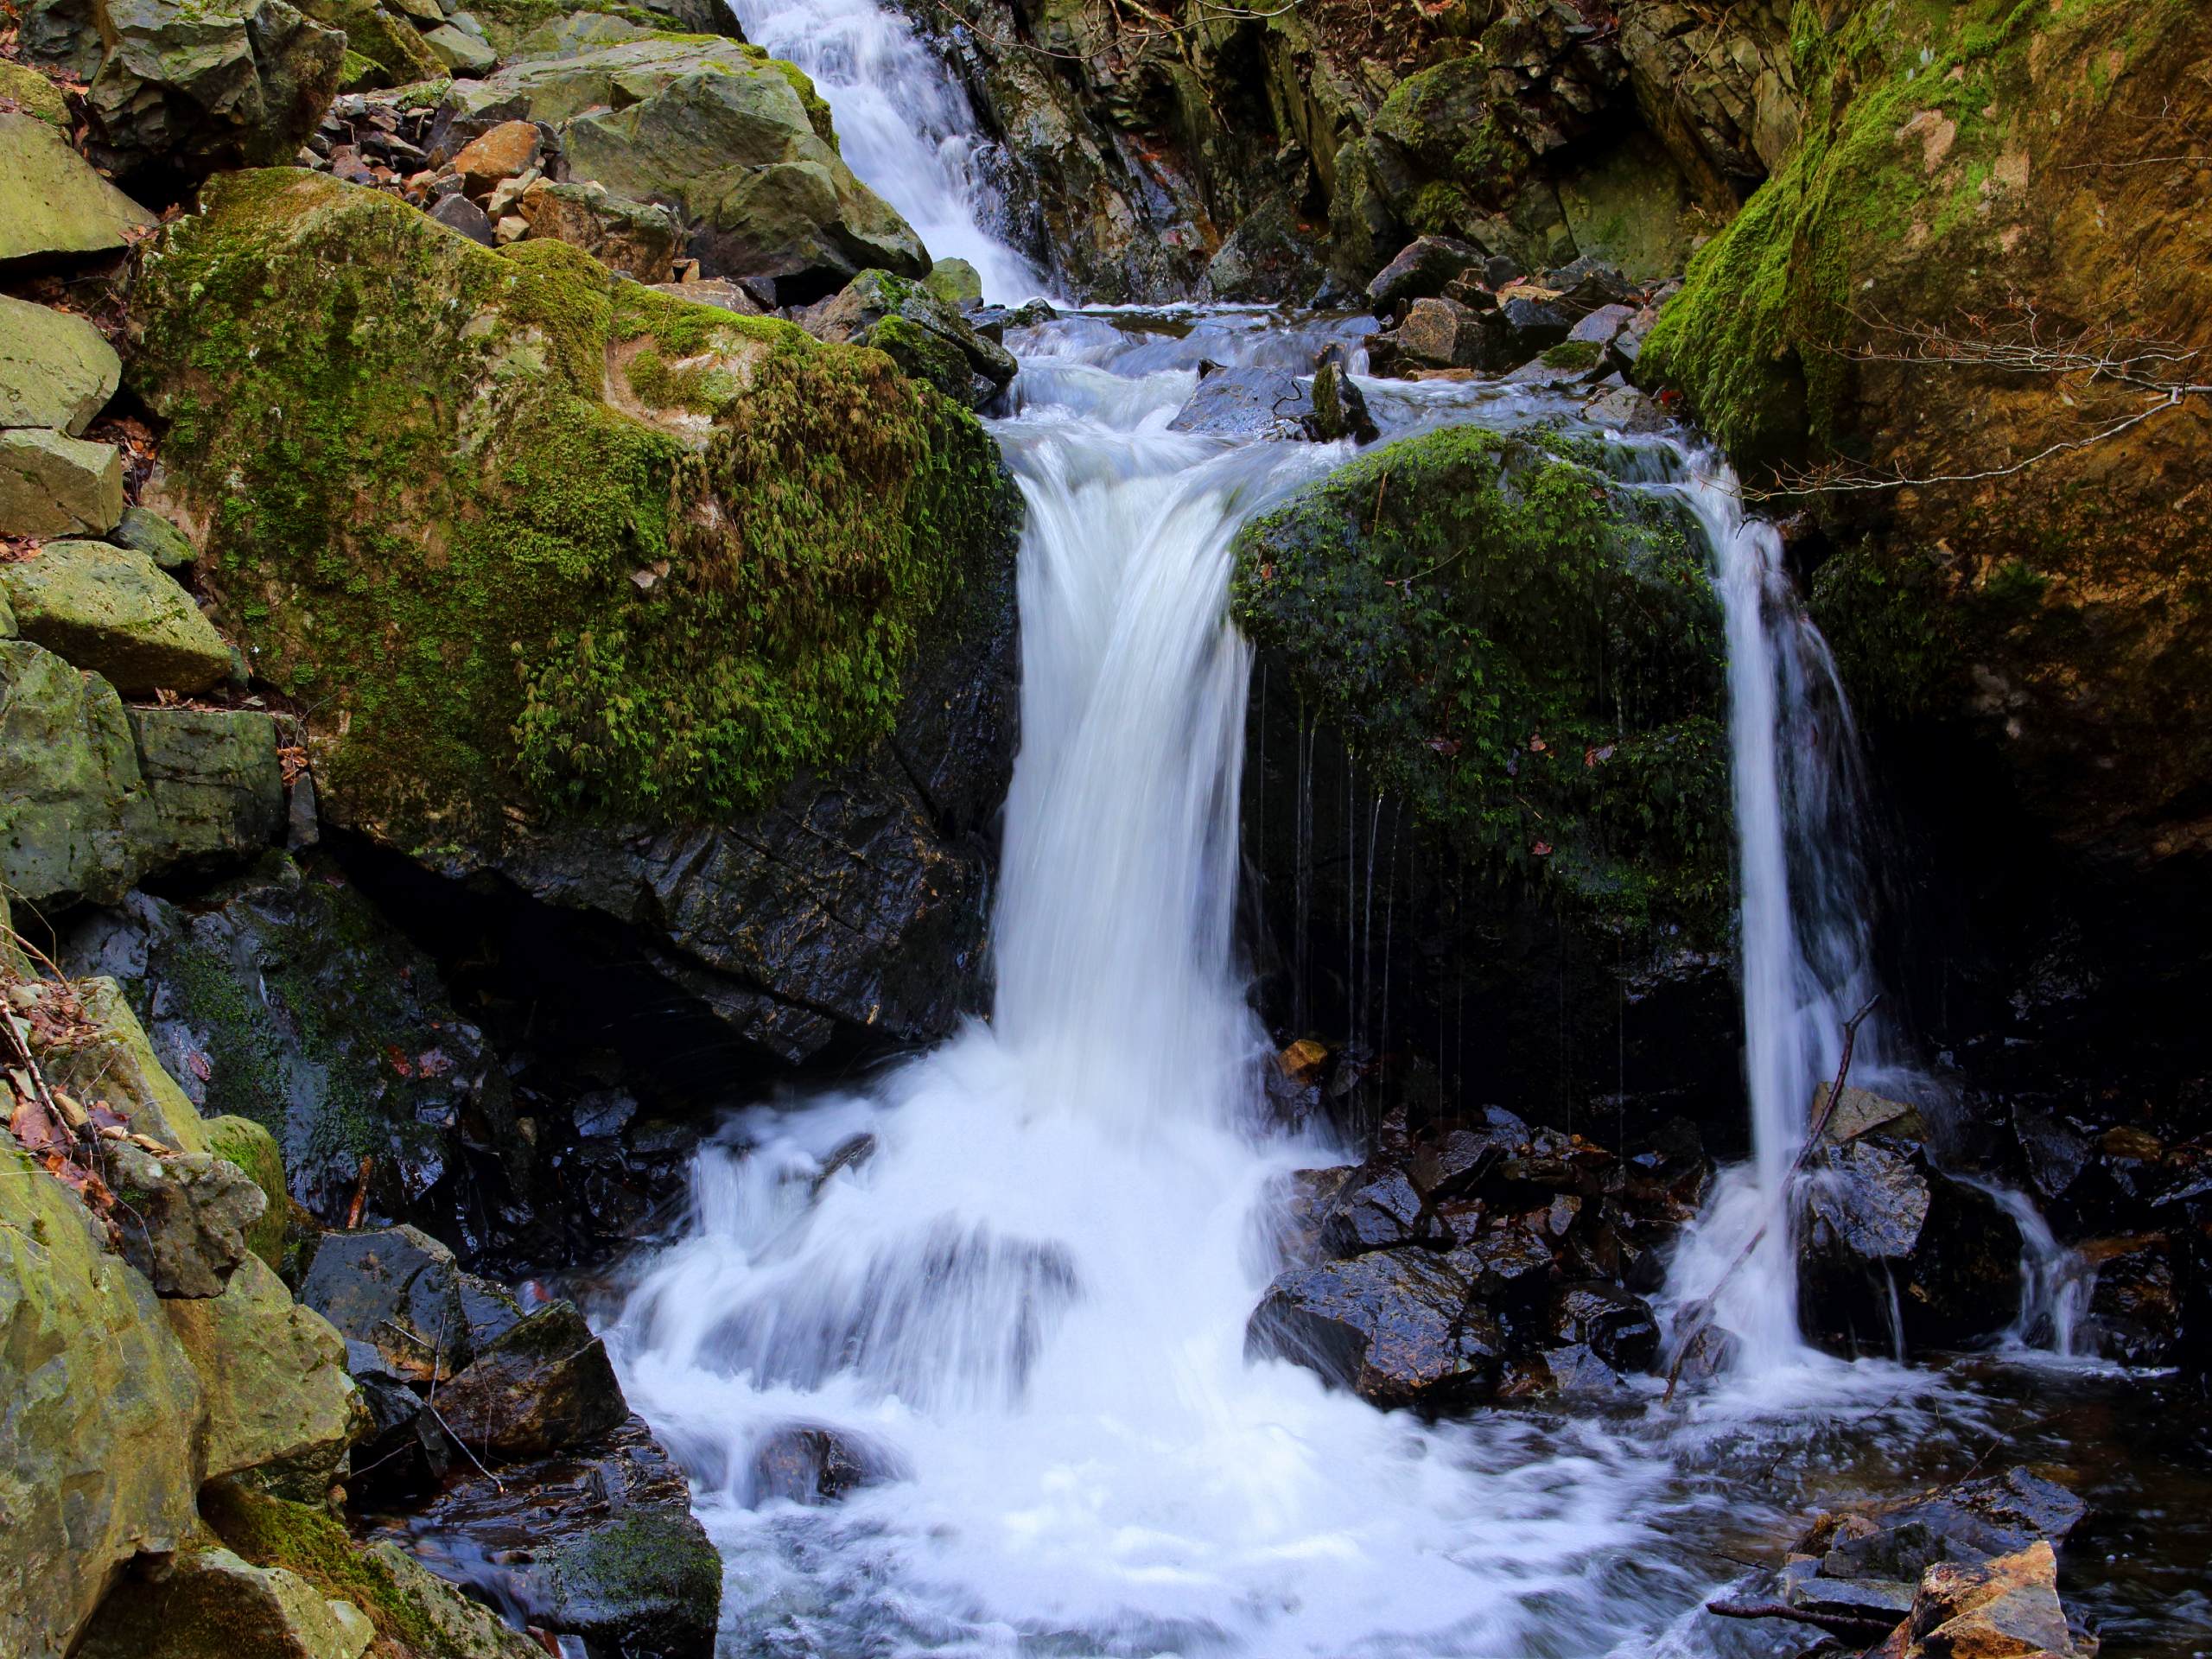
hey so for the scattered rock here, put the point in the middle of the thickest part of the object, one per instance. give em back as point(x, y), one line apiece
point(184, 1218)
point(56, 370)
point(1602, 325)
point(118, 613)
point(1969, 1523)
point(53, 205)
point(460, 51)
point(638, 240)
point(1421, 271)
point(51, 485)
point(545, 1385)
point(1247, 403)
point(1397, 1327)
point(458, 213)
point(174, 1610)
point(507, 151)
point(1339, 406)
point(926, 336)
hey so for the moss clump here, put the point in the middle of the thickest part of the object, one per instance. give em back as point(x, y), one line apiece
point(274, 1532)
point(650, 1571)
point(497, 593)
point(253, 1149)
point(1526, 651)
point(1574, 355)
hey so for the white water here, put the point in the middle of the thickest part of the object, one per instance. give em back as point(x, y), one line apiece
point(903, 126)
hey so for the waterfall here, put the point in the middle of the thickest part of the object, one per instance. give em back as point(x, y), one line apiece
point(1804, 937)
point(904, 128)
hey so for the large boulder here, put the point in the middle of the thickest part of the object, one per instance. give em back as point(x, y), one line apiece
point(98, 1402)
point(53, 205)
point(541, 1386)
point(282, 1411)
point(53, 484)
point(209, 1601)
point(116, 613)
point(736, 142)
point(401, 1292)
point(56, 370)
point(564, 613)
point(1397, 1327)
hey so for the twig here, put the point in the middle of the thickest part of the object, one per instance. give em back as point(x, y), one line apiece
point(439, 1417)
point(1835, 1623)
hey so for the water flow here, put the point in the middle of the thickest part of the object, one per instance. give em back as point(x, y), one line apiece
point(903, 127)
point(1804, 936)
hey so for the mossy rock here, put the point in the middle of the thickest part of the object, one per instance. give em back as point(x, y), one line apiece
point(1525, 651)
point(506, 584)
point(650, 1577)
point(253, 1149)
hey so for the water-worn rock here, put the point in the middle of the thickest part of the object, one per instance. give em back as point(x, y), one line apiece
point(1339, 406)
point(542, 1386)
point(1247, 403)
point(804, 1463)
point(51, 485)
point(1422, 270)
point(1397, 1327)
point(56, 370)
point(185, 1218)
point(737, 144)
point(1991, 1610)
point(209, 1601)
point(280, 1410)
point(96, 1400)
point(1973, 1520)
point(182, 90)
point(767, 730)
point(53, 205)
point(118, 614)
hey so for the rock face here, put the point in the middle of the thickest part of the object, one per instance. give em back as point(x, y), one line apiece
point(211, 1601)
point(736, 142)
point(95, 1394)
point(1553, 783)
point(543, 1385)
point(186, 1218)
point(835, 702)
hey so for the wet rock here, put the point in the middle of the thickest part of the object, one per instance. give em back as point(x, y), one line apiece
point(118, 613)
point(1378, 1209)
point(853, 1153)
point(53, 205)
point(1421, 271)
point(1602, 325)
point(214, 787)
point(924, 335)
point(1610, 1322)
point(804, 1463)
point(2006, 1605)
point(1247, 403)
point(1969, 1523)
point(604, 1112)
point(1577, 1372)
point(541, 1386)
point(71, 796)
point(638, 240)
point(1861, 1112)
point(52, 486)
point(2135, 1308)
point(955, 282)
point(282, 1409)
point(56, 370)
point(1625, 409)
point(98, 1389)
point(173, 1609)
point(2055, 1154)
point(1709, 1355)
point(1885, 1231)
point(1339, 406)
point(1526, 324)
point(1397, 1327)
point(399, 1291)
point(1303, 1199)
point(1455, 1165)
point(598, 1543)
point(1271, 256)
point(1588, 284)
point(1439, 334)
point(185, 1218)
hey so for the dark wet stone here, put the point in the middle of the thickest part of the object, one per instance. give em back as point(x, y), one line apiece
point(1420, 271)
point(805, 1463)
point(1521, 328)
point(1339, 406)
point(396, 1289)
point(851, 1154)
point(2055, 1154)
point(1247, 403)
point(1588, 283)
point(2135, 1309)
point(604, 1112)
point(1577, 1373)
point(1454, 1165)
point(1377, 1209)
point(1613, 1323)
point(545, 1385)
point(1507, 1265)
point(1394, 1326)
point(1972, 1522)
point(1708, 1354)
point(458, 213)
point(1872, 1598)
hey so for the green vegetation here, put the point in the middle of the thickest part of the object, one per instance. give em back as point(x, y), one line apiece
point(252, 1147)
point(274, 1532)
point(1527, 653)
point(492, 590)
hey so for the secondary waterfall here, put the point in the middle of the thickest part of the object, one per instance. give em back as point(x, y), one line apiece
point(904, 128)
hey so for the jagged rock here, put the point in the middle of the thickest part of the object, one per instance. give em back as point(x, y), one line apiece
point(545, 1385)
point(118, 613)
point(1880, 1218)
point(806, 856)
point(1861, 1112)
point(183, 90)
point(97, 1397)
point(1271, 257)
point(1247, 403)
point(401, 1292)
point(804, 1463)
point(1603, 325)
point(458, 213)
point(638, 240)
point(505, 151)
point(185, 1218)
point(460, 51)
point(1422, 270)
point(215, 784)
point(1377, 1209)
point(599, 1543)
point(51, 485)
point(69, 785)
point(1305, 1198)
point(284, 997)
point(254, 1150)
point(210, 1601)
point(1397, 1327)
point(56, 370)
point(1610, 1322)
point(2008, 1606)
point(146, 531)
point(2135, 1308)
point(1441, 333)
point(1339, 406)
point(737, 144)
point(53, 205)
point(281, 1410)
point(924, 334)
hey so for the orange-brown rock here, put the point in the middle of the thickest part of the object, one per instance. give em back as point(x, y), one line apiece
point(507, 151)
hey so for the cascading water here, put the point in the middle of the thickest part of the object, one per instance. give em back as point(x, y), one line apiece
point(904, 128)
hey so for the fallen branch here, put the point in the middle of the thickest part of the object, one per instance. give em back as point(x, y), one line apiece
point(1847, 1624)
point(1700, 1312)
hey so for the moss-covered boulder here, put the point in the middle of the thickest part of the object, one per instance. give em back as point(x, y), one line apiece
point(570, 569)
point(114, 610)
point(1489, 769)
point(70, 791)
point(737, 143)
point(113, 1061)
point(53, 484)
point(53, 205)
point(98, 1402)
point(253, 1149)
point(282, 1411)
point(55, 369)
point(209, 1602)
point(1978, 208)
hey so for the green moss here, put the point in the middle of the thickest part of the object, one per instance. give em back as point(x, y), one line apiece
point(1574, 355)
point(644, 1559)
point(273, 1532)
point(252, 1147)
point(426, 520)
point(1526, 652)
